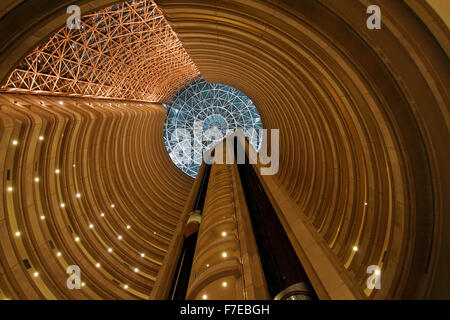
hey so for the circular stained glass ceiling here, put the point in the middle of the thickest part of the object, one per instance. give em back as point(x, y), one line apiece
point(201, 115)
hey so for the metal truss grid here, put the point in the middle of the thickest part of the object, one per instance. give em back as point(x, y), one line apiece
point(126, 51)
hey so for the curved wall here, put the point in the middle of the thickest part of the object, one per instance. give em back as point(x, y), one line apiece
point(363, 114)
point(363, 117)
point(119, 189)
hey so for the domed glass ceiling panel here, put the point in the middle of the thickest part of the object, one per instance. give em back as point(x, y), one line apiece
point(200, 115)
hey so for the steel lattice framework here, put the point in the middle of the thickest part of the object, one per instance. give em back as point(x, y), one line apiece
point(125, 51)
point(208, 110)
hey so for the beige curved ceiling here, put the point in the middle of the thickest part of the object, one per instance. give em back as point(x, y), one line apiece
point(363, 115)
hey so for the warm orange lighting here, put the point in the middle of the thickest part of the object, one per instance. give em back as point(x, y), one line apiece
point(166, 70)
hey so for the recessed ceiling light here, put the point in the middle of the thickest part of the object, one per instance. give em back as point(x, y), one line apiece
point(15, 142)
point(224, 234)
point(377, 272)
point(10, 189)
point(36, 274)
point(112, 206)
point(60, 102)
point(41, 138)
point(102, 214)
point(125, 286)
point(83, 284)
point(42, 217)
point(78, 195)
point(207, 265)
point(136, 270)
point(36, 179)
point(355, 248)
point(58, 254)
point(142, 255)
point(74, 165)
point(91, 226)
point(62, 205)
point(224, 284)
point(128, 227)
point(204, 297)
point(18, 234)
point(365, 203)
point(224, 254)
point(57, 171)
point(119, 237)
point(77, 239)
point(97, 265)
point(110, 250)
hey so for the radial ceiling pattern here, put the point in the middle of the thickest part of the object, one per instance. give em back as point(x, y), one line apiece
point(200, 115)
point(124, 51)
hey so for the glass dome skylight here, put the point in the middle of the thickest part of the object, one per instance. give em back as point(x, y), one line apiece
point(201, 115)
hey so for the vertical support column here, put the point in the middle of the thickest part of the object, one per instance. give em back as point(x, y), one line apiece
point(168, 269)
point(226, 264)
point(217, 270)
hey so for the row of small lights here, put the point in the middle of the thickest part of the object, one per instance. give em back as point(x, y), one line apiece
point(62, 205)
point(224, 234)
point(91, 226)
point(224, 255)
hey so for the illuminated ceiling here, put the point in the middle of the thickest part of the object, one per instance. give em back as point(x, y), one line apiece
point(201, 114)
point(125, 51)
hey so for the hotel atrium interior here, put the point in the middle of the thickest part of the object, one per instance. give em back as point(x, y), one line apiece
point(104, 195)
